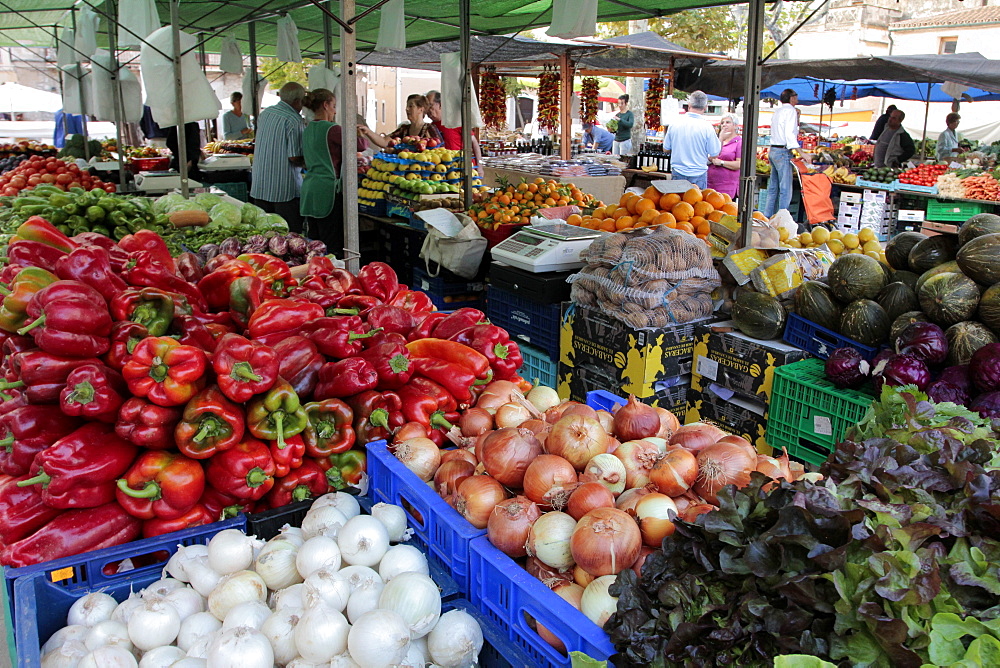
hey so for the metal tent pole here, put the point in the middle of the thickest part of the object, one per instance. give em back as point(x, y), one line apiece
point(179, 98)
point(252, 38)
point(927, 111)
point(119, 97)
point(349, 139)
point(464, 15)
point(751, 102)
point(209, 133)
point(83, 99)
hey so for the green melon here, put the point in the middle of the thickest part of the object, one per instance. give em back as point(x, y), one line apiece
point(980, 259)
point(931, 252)
point(940, 269)
point(814, 301)
point(907, 277)
point(965, 338)
point(866, 322)
point(989, 307)
point(977, 226)
point(949, 298)
point(855, 276)
point(759, 316)
point(897, 299)
point(897, 251)
point(905, 320)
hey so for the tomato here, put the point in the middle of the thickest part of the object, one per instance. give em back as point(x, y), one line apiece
point(48, 178)
point(10, 191)
point(75, 184)
point(18, 182)
point(109, 188)
point(64, 179)
point(30, 172)
point(34, 180)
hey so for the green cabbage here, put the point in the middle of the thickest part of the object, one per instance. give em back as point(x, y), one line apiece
point(225, 214)
point(250, 213)
point(207, 201)
point(272, 221)
point(163, 204)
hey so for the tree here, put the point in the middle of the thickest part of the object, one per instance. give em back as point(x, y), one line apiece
point(708, 30)
point(279, 73)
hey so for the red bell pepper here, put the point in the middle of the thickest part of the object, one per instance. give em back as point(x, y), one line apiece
point(218, 261)
point(94, 392)
point(80, 470)
point(42, 231)
point(17, 294)
point(198, 515)
point(215, 285)
point(277, 319)
point(12, 400)
point(338, 337)
point(245, 472)
point(152, 243)
point(423, 409)
point(189, 267)
point(43, 375)
point(320, 266)
point(28, 430)
point(344, 469)
point(210, 424)
point(190, 331)
point(378, 280)
point(426, 325)
point(378, 338)
point(116, 254)
point(345, 378)
point(69, 318)
point(330, 428)
point(165, 371)
point(376, 415)
point(148, 425)
point(461, 319)
point(92, 266)
point(413, 301)
point(392, 363)
point(246, 294)
point(503, 354)
point(275, 273)
point(343, 281)
point(125, 336)
point(152, 308)
point(299, 363)
point(15, 343)
point(74, 532)
point(34, 254)
point(243, 367)
point(362, 304)
point(324, 297)
point(451, 351)
point(446, 401)
point(223, 506)
point(161, 485)
point(391, 319)
point(287, 457)
point(22, 509)
point(452, 377)
point(306, 482)
point(144, 270)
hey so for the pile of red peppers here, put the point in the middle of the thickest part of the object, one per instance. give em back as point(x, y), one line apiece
point(144, 394)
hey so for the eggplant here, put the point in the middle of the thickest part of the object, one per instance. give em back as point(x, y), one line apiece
point(316, 246)
point(230, 246)
point(297, 244)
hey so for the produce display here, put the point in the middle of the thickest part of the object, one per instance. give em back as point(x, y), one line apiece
point(881, 174)
point(693, 211)
point(839, 242)
point(922, 175)
point(241, 146)
point(403, 174)
point(517, 204)
point(38, 170)
point(77, 146)
point(344, 589)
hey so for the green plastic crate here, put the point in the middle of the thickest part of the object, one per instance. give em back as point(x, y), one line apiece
point(945, 211)
point(236, 190)
point(809, 415)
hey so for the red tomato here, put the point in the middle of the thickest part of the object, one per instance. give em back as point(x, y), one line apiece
point(48, 178)
point(64, 179)
point(18, 182)
point(10, 191)
point(75, 184)
point(109, 188)
point(34, 180)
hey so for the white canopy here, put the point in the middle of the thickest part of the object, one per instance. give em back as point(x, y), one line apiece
point(15, 98)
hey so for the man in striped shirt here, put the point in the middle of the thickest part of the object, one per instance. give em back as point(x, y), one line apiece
point(277, 157)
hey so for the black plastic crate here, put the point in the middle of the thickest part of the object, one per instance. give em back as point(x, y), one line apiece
point(525, 320)
point(545, 288)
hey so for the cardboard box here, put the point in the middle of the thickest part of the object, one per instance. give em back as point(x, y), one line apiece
point(931, 228)
point(734, 413)
point(850, 198)
point(733, 360)
point(849, 209)
point(911, 215)
point(636, 358)
point(875, 196)
point(670, 393)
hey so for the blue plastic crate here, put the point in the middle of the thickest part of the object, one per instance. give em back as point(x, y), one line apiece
point(528, 321)
point(436, 525)
point(903, 187)
point(876, 185)
point(820, 341)
point(601, 400)
point(538, 365)
point(440, 285)
point(377, 209)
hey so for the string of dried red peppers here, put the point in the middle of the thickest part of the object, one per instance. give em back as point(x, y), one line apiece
point(588, 100)
point(492, 100)
point(548, 100)
point(653, 96)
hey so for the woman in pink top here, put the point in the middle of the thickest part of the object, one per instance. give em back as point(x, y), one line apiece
point(724, 169)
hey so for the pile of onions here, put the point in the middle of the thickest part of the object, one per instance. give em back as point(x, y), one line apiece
point(722, 464)
point(635, 420)
point(507, 452)
point(476, 498)
point(509, 524)
point(549, 480)
point(420, 455)
point(675, 472)
point(639, 458)
point(606, 541)
point(577, 439)
point(695, 437)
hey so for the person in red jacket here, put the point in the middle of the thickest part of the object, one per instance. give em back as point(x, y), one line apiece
point(452, 136)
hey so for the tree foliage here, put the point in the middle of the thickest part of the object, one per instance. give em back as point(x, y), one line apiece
point(707, 30)
point(279, 73)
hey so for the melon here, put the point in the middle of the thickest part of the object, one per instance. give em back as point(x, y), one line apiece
point(940, 269)
point(865, 322)
point(907, 277)
point(905, 320)
point(853, 277)
point(931, 252)
point(949, 298)
point(989, 307)
point(814, 301)
point(897, 251)
point(980, 259)
point(759, 316)
point(965, 338)
point(977, 226)
point(897, 299)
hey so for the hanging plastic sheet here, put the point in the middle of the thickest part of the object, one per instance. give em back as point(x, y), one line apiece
point(137, 20)
point(87, 22)
point(199, 101)
point(65, 54)
point(451, 93)
point(391, 27)
point(73, 76)
point(287, 49)
point(573, 18)
point(230, 58)
point(102, 90)
point(247, 88)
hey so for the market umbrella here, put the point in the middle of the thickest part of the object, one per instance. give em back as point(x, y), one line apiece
point(15, 98)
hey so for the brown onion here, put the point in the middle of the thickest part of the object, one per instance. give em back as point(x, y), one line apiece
point(770, 467)
point(495, 395)
point(460, 454)
point(639, 457)
point(630, 497)
point(644, 552)
point(636, 420)
point(796, 469)
point(577, 439)
point(507, 453)
point(607, 470)
point(690, 514)
point(410, 430)
point(549, 480)
point(607, 420)
point(477, 449)
point(606, 541)
point(675, 472)
point(509, 524)
point(587, 497)
point(512, 415)
point(660, 443)
point(475, 421)
point(570, 592)
point(476, 497)
point(656, 513)
point(553, 414)
point(740, 441)
point(536, 426)
point(582, 410)
point(668, 423)
point(581, 577)
point(420, 455)
point(451, 474)
point(545, 573)
point(613, 444)
point(720, 465)
point(697, 436)
point(549, 540)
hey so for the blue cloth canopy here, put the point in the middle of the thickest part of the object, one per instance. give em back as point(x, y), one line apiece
point(811, 90)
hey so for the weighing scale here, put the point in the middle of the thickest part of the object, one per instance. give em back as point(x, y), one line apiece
point(541, 248)
point(225, 161)
point(161, 181)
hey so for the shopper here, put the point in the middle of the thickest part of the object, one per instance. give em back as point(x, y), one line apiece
point(784, 139)
point(623, 134)
point(880, 123)
point(235, 124)
point(322, 205)
point(724, 168)
point(947, 143)
point(894, 146)
point(192, 145)
point(278, 156)
point(452, 136)
point(417, 107)
point(691, 140)
point(594, 136)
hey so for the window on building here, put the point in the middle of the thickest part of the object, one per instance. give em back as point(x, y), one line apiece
point(948, 45)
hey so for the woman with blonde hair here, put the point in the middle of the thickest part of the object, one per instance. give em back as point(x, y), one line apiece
point(417, 107)
point(724, 169)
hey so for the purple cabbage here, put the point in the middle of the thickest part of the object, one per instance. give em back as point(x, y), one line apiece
point(958, 376)
point(924, 340)
point(984, 368)
point(297, 244)
point(941, 391)
point(882, 355)
point(902, 369)
point(846, 368)
point(987, 405)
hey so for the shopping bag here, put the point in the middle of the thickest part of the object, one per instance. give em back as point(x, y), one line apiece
point(287, 49)
point(102, 90)
point(451, 93)
point(573, 18)
point(391, 27)
point(87, 21)
point(65, 55)
point(230, 58)
point(322, 77)
point(457, 249)
point(137, 20)
point(76, 92)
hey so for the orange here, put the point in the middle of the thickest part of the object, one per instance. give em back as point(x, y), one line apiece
point(607, 227)
point(682, 211)
point(704, 228)
point(624, 222)
point(730, 209)
point(716, 216)
point(623, 200)
point(716, 199)
point(619, 212)
point(631, 204)
point(610, 221)
point(703, 209)
point(686, 227)
point(644, 205)
point(697, 221)
point(574, 219)
point(727, 198)
point(532, 188)
point(640, 224)
point(599, 212)
point(757, 215)
point(667, 201)
point(665, 219)
point(692, 195)
point(649, 216)
point(591, 224)
point(652, 193)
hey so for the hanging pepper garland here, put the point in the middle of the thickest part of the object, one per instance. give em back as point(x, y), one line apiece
point(653, 96)
point(548, 100)
point(492, 100)
point(588, 100)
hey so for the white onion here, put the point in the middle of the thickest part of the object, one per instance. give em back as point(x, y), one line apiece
point(162, 587)
point(402, 559)
point(201, 575)
point(456, 640)
point(251, 613)
point(90, 609)
point(186, 602)
point(343, 661)
point(156, 623)
point(67, 655)
point(279, 629)
point(231, 550)
point(549, 540)
point(292, 534)
point(178, 561)
point(361, 577)
point(126, 608)
point(108, 632)
point(363, 541)
point(416, 598)
point(161, 657)
point(321, 633)
point(109, 656)
point(64, 635)
point(394, 519)
point(316, 553)
point(240, 648)
point(190, 662)
point(362, 601)
point(234, 589)
point(302, 663)
point(289, 598)
point(198, 626)
point(276, 565)
point(324, 521)
point(543, 398)
point(414, 658)
point(329, 587)
point(199, 650)
point(342, 501)
point(379, 639)
point(597, 603)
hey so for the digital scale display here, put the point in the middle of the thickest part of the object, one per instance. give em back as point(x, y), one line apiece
point(544, 248)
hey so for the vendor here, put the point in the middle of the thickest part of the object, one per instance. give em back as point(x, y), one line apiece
point(596, 137)
point(236, 124)
point(947, 144)
point(452, 136)
point(724, 168)
point(192, 145)
point(623, 135)
point(894, 146)
point(417, 108)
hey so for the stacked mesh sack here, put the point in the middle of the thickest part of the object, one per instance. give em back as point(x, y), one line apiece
point(648, 278)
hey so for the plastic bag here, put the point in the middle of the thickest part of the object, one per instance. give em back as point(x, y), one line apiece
point(102, 89)
point(451, 93)
point(230, 58)
point(76, 80)
point(460, 254)
point(200, 102)
point(573, 18)
point(65, 55)
point(248, 91)
point(87, 22)
point(391, 27)
point(322, 77)
point(287, 49)
point(137, 20)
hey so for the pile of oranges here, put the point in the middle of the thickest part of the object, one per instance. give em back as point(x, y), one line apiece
point(693, 212)
point(516, 204)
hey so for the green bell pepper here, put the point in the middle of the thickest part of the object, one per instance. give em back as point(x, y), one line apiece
point(276, 414)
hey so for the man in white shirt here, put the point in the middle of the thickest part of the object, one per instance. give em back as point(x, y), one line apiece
point(784, 138)
point(691, 140)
